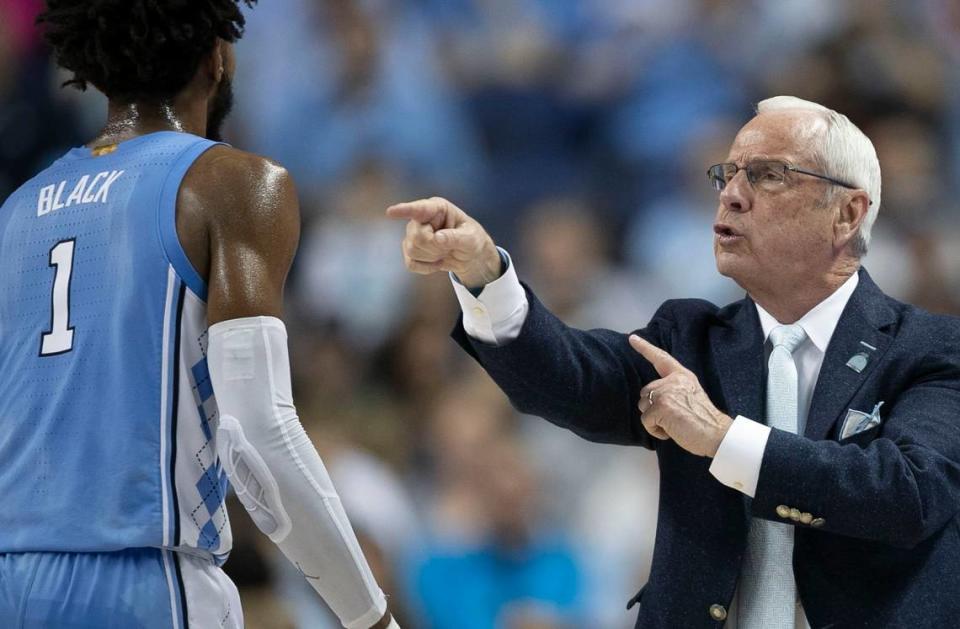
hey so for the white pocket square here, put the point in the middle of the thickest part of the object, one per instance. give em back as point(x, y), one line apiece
point(858, 421)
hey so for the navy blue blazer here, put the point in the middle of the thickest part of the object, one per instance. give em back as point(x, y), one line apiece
point(885, 551)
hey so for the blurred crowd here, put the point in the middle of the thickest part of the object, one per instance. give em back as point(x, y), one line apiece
point(579, 133)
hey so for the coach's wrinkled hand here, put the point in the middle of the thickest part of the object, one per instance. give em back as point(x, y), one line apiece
point(680, 409)
point(442, 237)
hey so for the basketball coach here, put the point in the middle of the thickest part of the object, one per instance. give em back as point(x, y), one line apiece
point(808, 436)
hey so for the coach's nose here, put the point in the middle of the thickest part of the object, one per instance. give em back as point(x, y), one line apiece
point(737, 195)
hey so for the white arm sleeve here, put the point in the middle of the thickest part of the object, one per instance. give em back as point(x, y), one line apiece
point(277, 472)
point(497, 314)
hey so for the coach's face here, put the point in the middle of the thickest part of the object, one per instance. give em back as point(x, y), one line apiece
point(767, 234)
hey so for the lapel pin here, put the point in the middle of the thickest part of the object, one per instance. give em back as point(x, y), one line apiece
point(858, 361)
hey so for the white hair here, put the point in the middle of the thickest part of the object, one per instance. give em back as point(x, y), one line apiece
point(843, 151)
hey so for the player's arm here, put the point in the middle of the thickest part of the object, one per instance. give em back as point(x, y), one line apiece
point(251, 224)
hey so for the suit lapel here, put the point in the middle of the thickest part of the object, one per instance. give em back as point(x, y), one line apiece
point(860, 328)
point(737, 347)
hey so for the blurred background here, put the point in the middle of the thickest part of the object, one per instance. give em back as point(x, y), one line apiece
point(578, 132)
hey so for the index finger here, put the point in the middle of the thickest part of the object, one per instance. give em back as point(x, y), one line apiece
point(662, 361)
point(427, 211)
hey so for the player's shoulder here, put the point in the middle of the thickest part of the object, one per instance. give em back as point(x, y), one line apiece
point(229, 167)
point(227, 179)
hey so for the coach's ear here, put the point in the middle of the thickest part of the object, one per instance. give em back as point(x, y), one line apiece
point(850, 216)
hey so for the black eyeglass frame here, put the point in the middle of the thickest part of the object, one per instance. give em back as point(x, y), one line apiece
point(722, 182)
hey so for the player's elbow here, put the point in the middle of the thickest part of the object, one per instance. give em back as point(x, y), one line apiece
point(252, 478)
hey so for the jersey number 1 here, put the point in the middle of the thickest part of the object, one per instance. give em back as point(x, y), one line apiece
point(59, 338)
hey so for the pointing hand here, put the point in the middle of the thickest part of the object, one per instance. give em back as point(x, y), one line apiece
point(676, 406)
point(442, 237)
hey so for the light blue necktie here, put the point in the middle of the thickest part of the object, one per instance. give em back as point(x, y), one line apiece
point(768, 592)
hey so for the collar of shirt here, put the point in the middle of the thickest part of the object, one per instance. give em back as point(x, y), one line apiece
point(820, 322)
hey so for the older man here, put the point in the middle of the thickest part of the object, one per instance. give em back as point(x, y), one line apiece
point(807, 435)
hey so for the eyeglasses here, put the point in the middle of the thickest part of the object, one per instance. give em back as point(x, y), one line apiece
point(763, 174)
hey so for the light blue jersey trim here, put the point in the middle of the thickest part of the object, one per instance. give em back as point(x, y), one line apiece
point(167, 217)
point(175, 589)
point(168, 450)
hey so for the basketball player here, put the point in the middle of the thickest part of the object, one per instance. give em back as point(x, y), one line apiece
point(142, 358)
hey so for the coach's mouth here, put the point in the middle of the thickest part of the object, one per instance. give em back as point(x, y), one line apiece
point(726, 235)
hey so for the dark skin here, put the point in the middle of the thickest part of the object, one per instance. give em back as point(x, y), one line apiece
point(238, 217)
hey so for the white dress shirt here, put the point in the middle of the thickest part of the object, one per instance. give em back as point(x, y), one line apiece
point(497, 314)
point(737, 463)
point(738, 459)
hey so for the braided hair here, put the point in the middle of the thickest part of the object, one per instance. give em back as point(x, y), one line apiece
point(137, 49)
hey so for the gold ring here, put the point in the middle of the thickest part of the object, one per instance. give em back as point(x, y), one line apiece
point(650, 397)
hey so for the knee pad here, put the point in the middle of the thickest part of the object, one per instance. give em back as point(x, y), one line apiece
point(251, 479)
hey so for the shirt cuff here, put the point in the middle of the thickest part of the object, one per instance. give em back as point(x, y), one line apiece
point(496, 315)
point(738, 459)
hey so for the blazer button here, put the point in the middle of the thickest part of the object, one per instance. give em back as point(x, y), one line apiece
point(783, 511)
point(718, 612)
point(817, 522)
point(806, 518)
point(795, 515)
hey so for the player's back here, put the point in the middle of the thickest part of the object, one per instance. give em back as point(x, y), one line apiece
point(107, 413)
